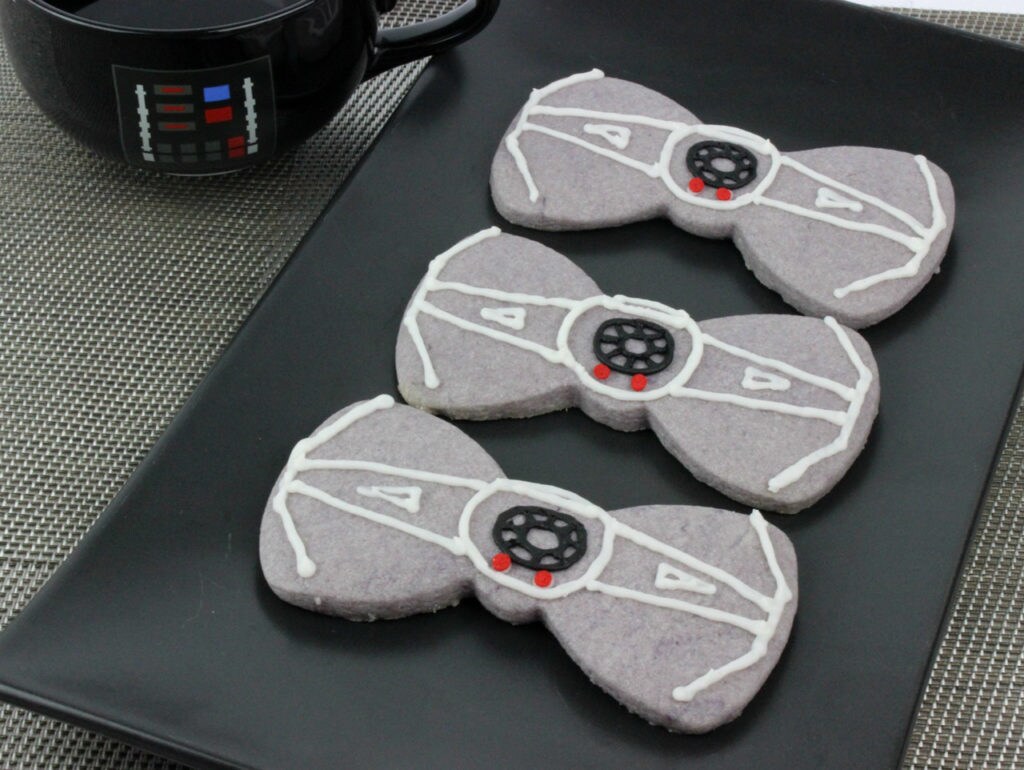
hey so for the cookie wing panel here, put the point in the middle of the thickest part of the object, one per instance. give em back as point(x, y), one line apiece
point(777, 411)
point(852, 232)
point(363, 521)
point(689, 617)
point(479, 338)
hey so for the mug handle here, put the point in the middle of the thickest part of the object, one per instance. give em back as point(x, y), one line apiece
point(404, 44)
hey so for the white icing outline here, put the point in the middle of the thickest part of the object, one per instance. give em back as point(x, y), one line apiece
point(145, 132)
point(919, 242)
point(757, 379)
point(669, 578)
point(762, 630)
point(616, 136)
point(671, 318)
point(407, 498)
point(250, 110)
point(828, 198)
point(512, 317)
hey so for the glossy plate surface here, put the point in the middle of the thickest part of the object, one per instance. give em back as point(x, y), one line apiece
point(160, 629)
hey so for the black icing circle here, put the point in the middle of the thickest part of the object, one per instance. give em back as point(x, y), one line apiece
point(634, 346)
point(511, 535)
point(700, 161)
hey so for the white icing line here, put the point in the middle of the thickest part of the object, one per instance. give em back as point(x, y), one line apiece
point(672, 318)
point(452, 544)
point(391, 470)
point(551, 496)
point(828, 415)
point(834, 194)
point(759, 647)
point(910, 268)
point(617, 136)
point(757, 379)
point(758, 143)
point(651, 169)
point(754, 627)
point(726, 133)
point(715, 573)
point(843, 391)
point(500, 294)
point(512, 317)
point(830, 199)
point(622, 117)
point(669, 578)
point(512, 140)
point(409, 319)
point(303, 564)
point(872, 200)
point(548, 354)
point(407, 498)
point(910, 242)
point(864, 378)
point(678, 319)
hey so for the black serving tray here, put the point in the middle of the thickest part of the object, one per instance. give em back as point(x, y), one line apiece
point(160, 630)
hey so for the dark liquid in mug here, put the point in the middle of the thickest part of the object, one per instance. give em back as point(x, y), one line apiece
point(173, 14)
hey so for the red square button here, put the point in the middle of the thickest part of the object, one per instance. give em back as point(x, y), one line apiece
point(219, 114)
point(236, 152)
point(236, 141)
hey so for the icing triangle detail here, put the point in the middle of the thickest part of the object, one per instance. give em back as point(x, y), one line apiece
point(512, 317)
point(407, 498)
point(830, 199)
point(758, 379)
point(670, 578)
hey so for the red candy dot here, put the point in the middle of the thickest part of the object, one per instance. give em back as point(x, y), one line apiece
point(602, 372)
point(501, 562)
point(542, 578)
point(696, 185)
point(639, 382)
point(723, 194)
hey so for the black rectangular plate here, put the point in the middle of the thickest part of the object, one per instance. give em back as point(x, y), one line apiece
point(160, 629)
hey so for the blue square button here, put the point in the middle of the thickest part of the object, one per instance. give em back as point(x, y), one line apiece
point(217, 93)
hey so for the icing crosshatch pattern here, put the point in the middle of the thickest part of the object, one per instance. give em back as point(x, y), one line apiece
point(203, 120)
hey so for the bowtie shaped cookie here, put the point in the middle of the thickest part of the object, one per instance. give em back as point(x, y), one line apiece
point(769, 409)
point(678, 612)
point(852, 232)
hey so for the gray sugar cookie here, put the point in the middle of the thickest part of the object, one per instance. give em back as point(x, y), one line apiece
point(678, 612)
point(851, 232)
point(769, 409)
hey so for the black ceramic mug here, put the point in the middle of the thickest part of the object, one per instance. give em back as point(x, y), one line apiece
point(207, 86)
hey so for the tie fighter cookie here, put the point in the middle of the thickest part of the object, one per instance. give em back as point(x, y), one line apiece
point(851, 232)
point(769, 409)
point(678, 612)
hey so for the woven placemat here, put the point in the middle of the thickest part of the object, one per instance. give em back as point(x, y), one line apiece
point(108, 322)
point(118, 290)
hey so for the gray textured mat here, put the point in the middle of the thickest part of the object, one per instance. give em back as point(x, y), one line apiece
point(118, 290)
point(109, 320)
